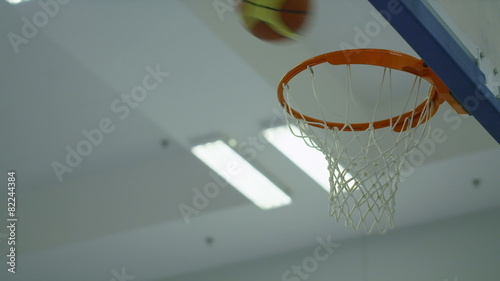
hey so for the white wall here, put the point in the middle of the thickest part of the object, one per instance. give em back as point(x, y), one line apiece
point(458, 249)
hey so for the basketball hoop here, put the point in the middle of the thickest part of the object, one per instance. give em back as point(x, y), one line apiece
point(365, 158)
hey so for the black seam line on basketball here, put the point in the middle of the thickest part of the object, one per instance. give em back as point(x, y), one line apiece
point(274, 9)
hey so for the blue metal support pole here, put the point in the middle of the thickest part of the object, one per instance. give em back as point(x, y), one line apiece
point(413, 20)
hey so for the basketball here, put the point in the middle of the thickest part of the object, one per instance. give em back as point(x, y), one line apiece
point(275, 20)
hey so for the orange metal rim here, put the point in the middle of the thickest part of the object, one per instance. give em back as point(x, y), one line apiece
point(383, 58)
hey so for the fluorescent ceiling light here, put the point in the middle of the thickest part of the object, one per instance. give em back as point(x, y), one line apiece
point(308, 159)
point(14, 2)
point(221, 158)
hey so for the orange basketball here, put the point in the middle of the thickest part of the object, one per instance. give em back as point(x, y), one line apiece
point(274, 20)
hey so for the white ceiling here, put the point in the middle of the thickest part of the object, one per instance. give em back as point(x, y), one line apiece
point(119, 207)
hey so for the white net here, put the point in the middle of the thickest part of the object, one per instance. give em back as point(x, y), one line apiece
point(364, 165)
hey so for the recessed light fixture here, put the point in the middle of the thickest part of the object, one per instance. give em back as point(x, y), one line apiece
point(15, 2)
point(226, 162)
point(308, 159)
